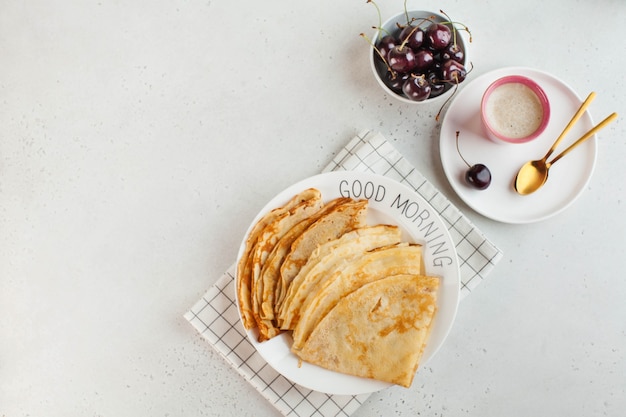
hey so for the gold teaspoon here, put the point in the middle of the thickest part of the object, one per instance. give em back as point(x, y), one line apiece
point(531, 172)
point(534, 174)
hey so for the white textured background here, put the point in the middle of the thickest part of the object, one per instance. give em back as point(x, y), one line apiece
point(139, 138)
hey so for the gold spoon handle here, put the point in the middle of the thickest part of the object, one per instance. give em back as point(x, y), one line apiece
point(571, 123)
point(586, 136)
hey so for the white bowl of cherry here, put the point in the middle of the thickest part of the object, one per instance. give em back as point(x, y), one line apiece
point(419, 56)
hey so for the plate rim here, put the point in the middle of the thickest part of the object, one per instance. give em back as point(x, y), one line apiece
point(329, 177)
point(496, 73)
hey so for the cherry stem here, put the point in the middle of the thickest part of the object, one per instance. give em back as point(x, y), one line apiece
point(404, 42)
point(406, 13)
point(464, 28)
point(456, 87)
point(459, 151)
point(393, 73)
point(380, 19)
point(380, 29)
point(450, 22)
point(453, 25)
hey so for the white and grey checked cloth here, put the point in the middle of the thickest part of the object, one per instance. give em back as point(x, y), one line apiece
point(215, 316)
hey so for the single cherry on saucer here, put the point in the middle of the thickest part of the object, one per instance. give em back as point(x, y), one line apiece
point(477, 175)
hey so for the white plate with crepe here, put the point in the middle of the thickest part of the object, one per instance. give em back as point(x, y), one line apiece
point(568, 179)
point(389, 202)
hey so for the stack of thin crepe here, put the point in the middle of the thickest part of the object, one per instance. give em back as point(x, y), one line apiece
point(354, 295)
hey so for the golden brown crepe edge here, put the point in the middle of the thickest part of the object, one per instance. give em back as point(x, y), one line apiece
point(243, 266)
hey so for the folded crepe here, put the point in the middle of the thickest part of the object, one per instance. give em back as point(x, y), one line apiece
point(327, 259)
point(267, 241)
point(245, 264)
point(382, 262)
point(270, 273)
point(286, 237)
point(342, 219)
point(378, 331)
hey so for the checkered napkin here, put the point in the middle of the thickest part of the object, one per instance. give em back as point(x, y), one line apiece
point(216, 316)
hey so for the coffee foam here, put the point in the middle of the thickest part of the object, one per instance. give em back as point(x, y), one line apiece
point(514, 110)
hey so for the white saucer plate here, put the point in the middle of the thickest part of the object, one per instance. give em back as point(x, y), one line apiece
point(567, 178)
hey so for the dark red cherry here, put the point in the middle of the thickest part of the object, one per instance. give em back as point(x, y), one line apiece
point(478, 176)
point(396, 81)
point(436, 86)
point(424, 60)
point(416, 88)
point(406, 31)
point(453, 51)
point(401, 59)
point(386, 44)
point(438, 35)
point(415, 36)
point(453, 72)
point(437, 65)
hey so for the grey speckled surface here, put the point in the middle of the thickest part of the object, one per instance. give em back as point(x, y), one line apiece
point(139, 139)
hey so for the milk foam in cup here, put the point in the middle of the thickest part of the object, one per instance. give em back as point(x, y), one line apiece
point(514, 109)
